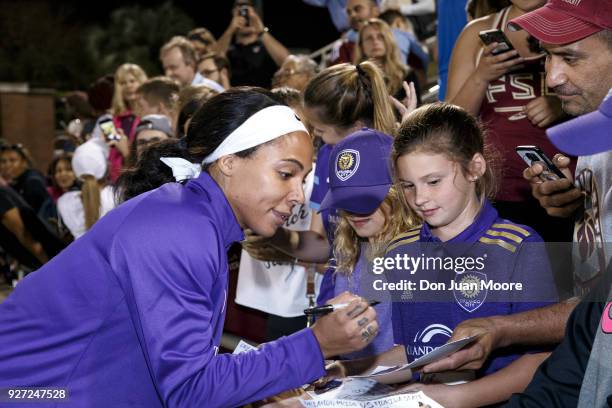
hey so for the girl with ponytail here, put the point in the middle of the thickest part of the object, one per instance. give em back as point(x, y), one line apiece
point(81, 209)
point(132, 313)
point(338, 101)
point(346, 97)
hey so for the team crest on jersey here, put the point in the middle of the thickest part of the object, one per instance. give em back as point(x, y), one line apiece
point(347, 163)
point(468, 292)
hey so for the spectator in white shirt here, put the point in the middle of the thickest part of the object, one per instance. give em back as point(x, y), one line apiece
point(81, 209)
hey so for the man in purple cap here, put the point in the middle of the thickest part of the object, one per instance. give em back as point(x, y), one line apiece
point(577, 37)
point(579, 372)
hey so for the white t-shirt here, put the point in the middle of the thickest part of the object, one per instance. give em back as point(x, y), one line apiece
point(278, 289)
point(198, 79)
point(593, 228)
point(70, 208)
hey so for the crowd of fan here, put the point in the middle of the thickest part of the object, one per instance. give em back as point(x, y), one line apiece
point(51, 210)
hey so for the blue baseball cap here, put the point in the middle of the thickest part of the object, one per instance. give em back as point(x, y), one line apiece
point(359, 172)
point(587, 134)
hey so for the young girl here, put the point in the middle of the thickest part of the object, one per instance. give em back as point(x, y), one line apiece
point(338, 101)
point(442, 169)
point(61, 175)
point(370, 215)
point(81, 209)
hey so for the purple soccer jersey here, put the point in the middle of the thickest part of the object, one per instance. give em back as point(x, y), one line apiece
point(132, 313)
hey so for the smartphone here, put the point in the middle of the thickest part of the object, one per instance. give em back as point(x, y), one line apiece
point(496, 35)
point(533, 154)
point(109, 130)
point(244, 12)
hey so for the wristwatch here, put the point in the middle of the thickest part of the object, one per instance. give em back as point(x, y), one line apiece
point(262, 32)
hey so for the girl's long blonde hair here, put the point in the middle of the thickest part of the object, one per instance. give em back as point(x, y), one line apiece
point(347, 244)
point(119, 106)
point(394, 69)
point(90, 197)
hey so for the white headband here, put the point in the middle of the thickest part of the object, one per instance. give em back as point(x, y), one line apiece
point(182, 169)
point(265, 125)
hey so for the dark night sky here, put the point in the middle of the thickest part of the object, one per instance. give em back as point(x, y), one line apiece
point(63, 44)
point(293, 22)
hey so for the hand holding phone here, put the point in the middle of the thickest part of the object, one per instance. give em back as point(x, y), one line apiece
point(496, 35)
point(109, 130)
point(244, 12)
point(498, 58)
point(532, 155)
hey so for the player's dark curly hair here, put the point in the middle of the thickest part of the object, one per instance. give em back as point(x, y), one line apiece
point(210, 125)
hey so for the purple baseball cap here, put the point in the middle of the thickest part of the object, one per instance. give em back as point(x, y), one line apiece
point(587, 134)
point(359, 172)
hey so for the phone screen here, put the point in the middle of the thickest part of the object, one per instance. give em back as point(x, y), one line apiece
point(532, 155)
point(244, 12)
point(490, 36)
point(109, 130)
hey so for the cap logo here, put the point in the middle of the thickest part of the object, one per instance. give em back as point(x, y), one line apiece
point(347, 163)
point(572, 2)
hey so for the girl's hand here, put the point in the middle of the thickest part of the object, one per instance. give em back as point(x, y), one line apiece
point(490, 67)
point(544, 110)
point(122, 145)
point(408, 104)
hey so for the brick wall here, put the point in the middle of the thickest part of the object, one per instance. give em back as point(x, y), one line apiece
point(29, 118)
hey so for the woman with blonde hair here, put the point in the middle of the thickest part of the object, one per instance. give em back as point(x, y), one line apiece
point(376, 43)
point(128, 78)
